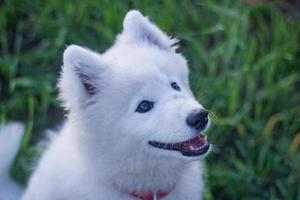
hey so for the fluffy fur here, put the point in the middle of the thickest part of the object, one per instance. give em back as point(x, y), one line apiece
point(102, 151)
point(10, 138)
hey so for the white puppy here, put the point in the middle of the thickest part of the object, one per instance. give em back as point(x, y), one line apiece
point(133, 129)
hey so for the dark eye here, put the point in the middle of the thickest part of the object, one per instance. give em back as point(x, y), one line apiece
point(175, 86)
point(144, 106)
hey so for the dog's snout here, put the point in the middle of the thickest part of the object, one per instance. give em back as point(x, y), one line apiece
point(198, 119)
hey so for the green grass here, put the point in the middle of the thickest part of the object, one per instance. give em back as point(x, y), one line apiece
point(245, 68)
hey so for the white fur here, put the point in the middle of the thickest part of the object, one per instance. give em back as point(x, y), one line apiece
point(10, 139)
point(102, 152)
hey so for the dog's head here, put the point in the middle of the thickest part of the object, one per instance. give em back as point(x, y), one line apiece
point(135, 97)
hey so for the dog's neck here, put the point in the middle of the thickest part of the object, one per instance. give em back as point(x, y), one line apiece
point(138, 171)
point(145, 175)
point(135, 171)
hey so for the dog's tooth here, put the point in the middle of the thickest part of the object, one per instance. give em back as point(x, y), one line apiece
point(168, 146)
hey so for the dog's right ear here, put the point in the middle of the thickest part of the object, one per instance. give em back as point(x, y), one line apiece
point(80, 76)
point(139, 29)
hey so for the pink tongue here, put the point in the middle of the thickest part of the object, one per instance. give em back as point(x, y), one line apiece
point(196, 143)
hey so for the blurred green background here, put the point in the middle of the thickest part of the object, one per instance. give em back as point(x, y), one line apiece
point(245, 68)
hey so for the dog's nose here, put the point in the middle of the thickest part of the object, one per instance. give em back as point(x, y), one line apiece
point(197, 119)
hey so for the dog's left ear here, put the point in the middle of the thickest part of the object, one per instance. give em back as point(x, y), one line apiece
point(81, 76)
point(137, 28)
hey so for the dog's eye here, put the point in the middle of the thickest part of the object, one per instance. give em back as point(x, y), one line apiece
point(175, 86)
point(144, 106)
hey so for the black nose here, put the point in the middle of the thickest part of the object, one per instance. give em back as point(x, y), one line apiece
point(198, 119)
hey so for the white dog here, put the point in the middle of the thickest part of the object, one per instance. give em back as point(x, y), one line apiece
point(133, 128)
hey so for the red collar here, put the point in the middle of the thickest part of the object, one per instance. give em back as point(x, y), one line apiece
point(150, 195)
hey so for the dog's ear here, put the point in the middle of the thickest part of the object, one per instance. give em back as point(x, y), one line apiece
point(80, 76)
point(138, 28)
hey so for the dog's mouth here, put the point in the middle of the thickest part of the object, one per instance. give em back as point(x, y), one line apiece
point(196, 146)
